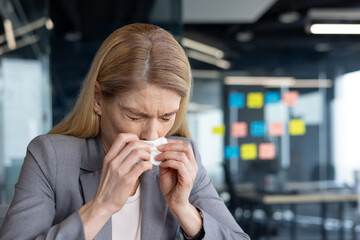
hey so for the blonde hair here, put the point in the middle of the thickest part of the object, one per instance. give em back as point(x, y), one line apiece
point(129, 59)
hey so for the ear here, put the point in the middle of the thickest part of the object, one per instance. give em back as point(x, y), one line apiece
point(97, 98)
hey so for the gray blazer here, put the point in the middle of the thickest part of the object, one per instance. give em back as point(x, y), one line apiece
point(61, 173)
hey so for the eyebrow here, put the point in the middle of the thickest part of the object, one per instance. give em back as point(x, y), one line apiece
point(138, 113)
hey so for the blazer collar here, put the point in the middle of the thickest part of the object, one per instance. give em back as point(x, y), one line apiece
point(153, 205)
point(93, 154)
point(92, 162)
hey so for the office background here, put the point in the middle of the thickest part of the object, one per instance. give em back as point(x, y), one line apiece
point(274, 109)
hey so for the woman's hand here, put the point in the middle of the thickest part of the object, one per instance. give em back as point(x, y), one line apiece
point(126, 160)
point(177, 175)
point(177, 172)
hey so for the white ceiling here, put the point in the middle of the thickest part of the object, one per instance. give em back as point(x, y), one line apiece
point(224, 11)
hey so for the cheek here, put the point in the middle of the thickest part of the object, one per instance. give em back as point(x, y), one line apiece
point(113, 123)
point(126, 126)
point(166, 126)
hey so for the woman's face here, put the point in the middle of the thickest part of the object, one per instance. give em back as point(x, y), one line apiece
point(149, 113)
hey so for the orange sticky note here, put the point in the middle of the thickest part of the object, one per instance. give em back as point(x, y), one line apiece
point(255, 100)
point(239, 129)
point(248, 151)
point(297, 127)
point(290, 98)
point(267, 151)
point(276, 129)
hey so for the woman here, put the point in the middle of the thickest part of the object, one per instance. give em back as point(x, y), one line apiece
point(91, 176)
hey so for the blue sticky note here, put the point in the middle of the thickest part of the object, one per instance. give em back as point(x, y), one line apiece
point(232, 152)
point(257, 129)
point(237, 100)
point(272, 97)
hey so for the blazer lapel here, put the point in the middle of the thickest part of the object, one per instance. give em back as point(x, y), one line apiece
point(92, 164)
point(89, 183)
point(153, 205)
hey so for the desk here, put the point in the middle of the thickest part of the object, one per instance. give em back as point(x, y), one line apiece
point(268, 200)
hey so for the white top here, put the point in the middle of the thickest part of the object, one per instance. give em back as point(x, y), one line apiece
point(126, 224)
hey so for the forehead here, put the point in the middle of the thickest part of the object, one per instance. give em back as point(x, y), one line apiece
point(151, 99)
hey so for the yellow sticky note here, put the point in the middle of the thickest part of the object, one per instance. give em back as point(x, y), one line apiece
point(297, 127)
point(248, 151)
point(219, 130)
point(255, 100)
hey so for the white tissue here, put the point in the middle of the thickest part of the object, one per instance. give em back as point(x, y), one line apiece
point(154, 151)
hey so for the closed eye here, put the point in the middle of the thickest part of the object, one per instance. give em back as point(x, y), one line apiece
point(133, 118)
point(165, 119)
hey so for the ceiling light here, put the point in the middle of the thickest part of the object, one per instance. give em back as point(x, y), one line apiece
point(333, 21)
point(245, 36)
point(261, 81)
point(325, 28)
point(323, 47)
point(26, 28)
point(277, 82)
point(289, 17)
point(221, 63)
point(20, 43)
point(49, 24)
point(201, 47)
point(347, 14)
point(312, 83)
point(209, 74)
point(73, 36)
point(9, 34)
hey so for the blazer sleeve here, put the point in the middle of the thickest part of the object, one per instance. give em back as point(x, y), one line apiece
point(217, 220)
point(32, 211)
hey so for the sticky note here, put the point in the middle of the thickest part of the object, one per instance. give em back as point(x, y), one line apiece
point(267, 151)
point(272, 97)
point(232, 152)
point(257, 128)
point(219, 130)
point(276, 129)
point(248, 151)
point(297, 127)
point(236, 100)
point(239, 129)
point(255, 100)
point(290, 98)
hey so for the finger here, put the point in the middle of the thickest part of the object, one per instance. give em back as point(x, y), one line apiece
point(121, 140)
point(137, 156)
point(183, 172)
point(176, 156)
point(179, 147)
point(130, 147)
point(140, 168)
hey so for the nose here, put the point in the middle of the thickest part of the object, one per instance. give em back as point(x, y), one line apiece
point(150, 130)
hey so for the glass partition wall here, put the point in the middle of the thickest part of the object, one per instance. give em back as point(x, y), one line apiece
point(25, 92)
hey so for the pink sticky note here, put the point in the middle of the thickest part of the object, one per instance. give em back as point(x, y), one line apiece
point(239, 129)
point(267, 151)
point(276, 129)
point(290, 98)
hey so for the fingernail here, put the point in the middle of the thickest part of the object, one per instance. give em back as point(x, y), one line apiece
point(160, 147)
